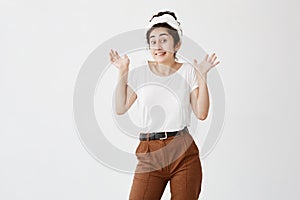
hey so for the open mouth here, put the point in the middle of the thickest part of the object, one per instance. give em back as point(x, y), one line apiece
point(160, 53)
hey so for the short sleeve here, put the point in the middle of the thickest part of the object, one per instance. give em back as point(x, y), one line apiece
point(193, 81)
point(132, 81)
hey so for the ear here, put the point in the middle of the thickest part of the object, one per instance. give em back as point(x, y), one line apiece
point(177, 46)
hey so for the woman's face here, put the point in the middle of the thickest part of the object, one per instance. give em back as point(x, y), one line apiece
point(161, 45)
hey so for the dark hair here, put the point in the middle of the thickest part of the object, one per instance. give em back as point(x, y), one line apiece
point(173, 32)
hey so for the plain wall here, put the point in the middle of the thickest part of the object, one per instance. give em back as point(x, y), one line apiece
point(44, 43)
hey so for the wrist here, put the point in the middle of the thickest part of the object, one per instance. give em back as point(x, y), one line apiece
point(124, 69)
point(202, 77)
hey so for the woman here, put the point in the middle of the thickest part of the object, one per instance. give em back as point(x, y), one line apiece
point(167, 151)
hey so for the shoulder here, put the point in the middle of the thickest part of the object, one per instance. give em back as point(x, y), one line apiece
point(188, 67)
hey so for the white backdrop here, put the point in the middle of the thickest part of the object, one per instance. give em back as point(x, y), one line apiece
point(44, 43)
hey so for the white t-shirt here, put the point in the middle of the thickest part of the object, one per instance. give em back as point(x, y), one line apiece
point(163, 102)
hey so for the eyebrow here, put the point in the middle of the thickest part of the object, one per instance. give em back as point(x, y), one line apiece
point(159, 35)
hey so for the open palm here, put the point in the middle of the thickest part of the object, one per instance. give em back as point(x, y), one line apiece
point(118, 61)
point(206, 64)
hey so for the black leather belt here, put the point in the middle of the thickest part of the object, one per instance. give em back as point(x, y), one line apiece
point(160, 135)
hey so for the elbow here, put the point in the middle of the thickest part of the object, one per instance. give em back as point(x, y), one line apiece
point(120, 109)
point(120, 112)
point(202, 117)
point(202, 114)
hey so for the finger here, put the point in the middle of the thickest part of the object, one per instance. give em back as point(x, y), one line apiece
point(195, 62)
point(117, 54)
point(214, 58)
point(111, 56)
point(112, 59)
point(112, 52)
point(215, 63)
point(211, 57)
point(206, 57)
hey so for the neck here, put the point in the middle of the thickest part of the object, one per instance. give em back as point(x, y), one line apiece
point(166, 64)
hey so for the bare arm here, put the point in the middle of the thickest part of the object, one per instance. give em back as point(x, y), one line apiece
point(200, 97)
point(125, 96)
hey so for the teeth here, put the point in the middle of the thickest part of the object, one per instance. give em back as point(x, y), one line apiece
point(161, 53)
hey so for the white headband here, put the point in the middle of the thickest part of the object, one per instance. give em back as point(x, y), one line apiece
point(169, 19)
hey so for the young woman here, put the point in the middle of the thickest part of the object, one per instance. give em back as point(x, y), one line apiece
point(167, 151)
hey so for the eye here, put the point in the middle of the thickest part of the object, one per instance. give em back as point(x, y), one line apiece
point(152, 42)
point(163, 40)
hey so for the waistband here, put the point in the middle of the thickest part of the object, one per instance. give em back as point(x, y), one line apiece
point(161, 135)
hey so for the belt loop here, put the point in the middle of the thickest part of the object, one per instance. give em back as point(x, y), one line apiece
point(148, 136)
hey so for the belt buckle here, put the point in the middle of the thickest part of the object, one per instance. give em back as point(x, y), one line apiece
point(166, 136)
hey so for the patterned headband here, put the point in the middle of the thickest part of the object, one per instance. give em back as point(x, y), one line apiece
point(169, 19)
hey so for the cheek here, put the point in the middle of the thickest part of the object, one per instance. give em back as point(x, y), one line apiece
point(169, 47)
point(152, 51)
point(170, 50)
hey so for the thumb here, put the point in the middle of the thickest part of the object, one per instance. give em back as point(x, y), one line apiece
point(195, 62)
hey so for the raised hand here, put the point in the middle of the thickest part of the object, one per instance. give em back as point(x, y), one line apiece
point(120, 62)
point(206, 64)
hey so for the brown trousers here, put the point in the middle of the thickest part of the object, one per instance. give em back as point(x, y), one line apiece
point(175, 159)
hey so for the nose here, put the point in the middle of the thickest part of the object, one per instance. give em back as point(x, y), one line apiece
point(157, 45)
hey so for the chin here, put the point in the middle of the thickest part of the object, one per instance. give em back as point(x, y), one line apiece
point(160, 60)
